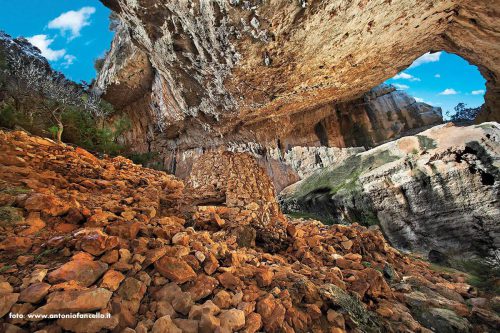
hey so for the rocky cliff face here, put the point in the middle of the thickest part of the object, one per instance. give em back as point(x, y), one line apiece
point(250, 68)
point(378, 116)
point(153, 254)
point(306, 160)
point(435, 192)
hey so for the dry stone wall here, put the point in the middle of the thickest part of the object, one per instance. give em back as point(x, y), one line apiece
point(236, 181)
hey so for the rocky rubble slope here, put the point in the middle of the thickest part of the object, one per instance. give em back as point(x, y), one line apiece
point(437, 191)
point(81, 234)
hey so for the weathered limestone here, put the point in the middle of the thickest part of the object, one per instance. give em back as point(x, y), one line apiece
point(254, 70)
point(436, 191)
point(380, 115)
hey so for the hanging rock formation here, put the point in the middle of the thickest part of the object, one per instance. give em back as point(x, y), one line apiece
point(436, 192)
point(380, 115)
point(249, 69)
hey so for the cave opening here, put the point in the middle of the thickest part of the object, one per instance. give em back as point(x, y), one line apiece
point(447, 81)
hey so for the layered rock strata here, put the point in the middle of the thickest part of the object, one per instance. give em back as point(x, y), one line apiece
point(306, 160)
point(81, 234)
point(437, 191)
point(380, 115)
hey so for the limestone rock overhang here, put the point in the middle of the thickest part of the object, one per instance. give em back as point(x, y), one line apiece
point(232, 64)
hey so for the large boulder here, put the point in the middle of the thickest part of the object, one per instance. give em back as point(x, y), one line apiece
point(73, 301)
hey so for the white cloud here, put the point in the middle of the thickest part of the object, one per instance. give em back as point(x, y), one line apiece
point(426, 58)
point(72, 21)
point(43, 43)
point(437, 76)
point(406, 76)
point(401, 86)
point(448, 91)
point(69, 59)
point(477, 92)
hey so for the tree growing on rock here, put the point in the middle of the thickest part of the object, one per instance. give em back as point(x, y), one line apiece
point(39, 91)
point(464, 113)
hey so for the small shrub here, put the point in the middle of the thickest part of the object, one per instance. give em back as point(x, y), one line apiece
point(10, 215)
point(426, 143)
point(485, 275)
point(53, 131)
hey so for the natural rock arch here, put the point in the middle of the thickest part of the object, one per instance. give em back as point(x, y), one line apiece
point(208, 57)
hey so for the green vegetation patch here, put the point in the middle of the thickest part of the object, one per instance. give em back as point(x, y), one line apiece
point(85, 131)
point(426, 143)
point(13, 190)
point(309, 216)
point(369, 218)
point(43, 256)
point(484, 275)
point(149, 159)
point(345, 176)
point(5, 268)
point(441, 269)
point(143, 158)
point(10, 215)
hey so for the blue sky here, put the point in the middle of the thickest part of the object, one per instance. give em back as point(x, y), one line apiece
point(442, 79)
point(71, 33)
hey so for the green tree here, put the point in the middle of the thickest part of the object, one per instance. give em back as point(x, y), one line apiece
point(463, 113)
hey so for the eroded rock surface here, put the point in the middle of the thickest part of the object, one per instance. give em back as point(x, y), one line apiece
point(380, 115)
point(436, 191)
point(173, 262)
point(259, 70)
